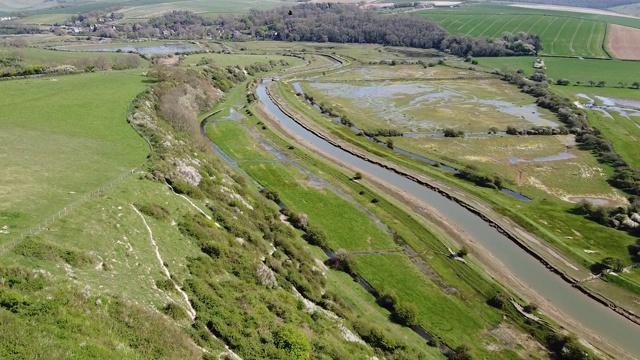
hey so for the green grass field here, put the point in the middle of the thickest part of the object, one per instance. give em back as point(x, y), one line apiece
point(202, 7)
point(37, 56)
point(482, 9)
point(611, 71)
point(623, 132)
point(446, 315)
point(63, 138)
point(236, 142)
point(346, 226)
point(239, 59)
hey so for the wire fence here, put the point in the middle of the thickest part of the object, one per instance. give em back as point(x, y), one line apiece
point(10, 244)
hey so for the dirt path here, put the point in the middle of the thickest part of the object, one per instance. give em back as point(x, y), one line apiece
point(572, 9)
point(190, 310)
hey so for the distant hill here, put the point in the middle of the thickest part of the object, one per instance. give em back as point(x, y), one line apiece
point(596, 4)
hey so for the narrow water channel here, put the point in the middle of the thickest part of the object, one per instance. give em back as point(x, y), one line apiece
point(591, 314)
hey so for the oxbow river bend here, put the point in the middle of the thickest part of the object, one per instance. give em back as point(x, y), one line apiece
point(607, 324)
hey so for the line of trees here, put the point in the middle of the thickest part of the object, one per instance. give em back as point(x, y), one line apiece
point(326, 22)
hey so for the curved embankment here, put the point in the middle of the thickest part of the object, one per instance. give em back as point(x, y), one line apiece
point(482, 214)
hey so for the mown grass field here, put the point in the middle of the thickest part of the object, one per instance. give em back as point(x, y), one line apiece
point(63, 138)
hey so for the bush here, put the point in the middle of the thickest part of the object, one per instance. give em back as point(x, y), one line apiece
point(154, 210)
point(498, 301)
point(174, 311)
point(292, 341)
point(405, 314)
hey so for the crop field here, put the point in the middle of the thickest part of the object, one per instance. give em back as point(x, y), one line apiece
point(67, 139)
point(430, 106)
point(560, 35)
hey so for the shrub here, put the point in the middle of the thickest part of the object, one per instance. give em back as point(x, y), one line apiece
point(292, 341)
point(405, 314)
point(154, 210)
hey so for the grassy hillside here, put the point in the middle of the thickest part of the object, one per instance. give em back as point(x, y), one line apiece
point(64, 137)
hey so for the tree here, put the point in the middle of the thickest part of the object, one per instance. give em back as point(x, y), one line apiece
point(601, 83)
point(357, 176)
point(512, 130)
point(464, 251)
point(390, 143)
point(635, 85)
point(613, 263)
point(498, 301)
point(592, 83)
point(316, 236)
point(493, 130)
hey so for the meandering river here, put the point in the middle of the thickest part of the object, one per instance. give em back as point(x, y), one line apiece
point(602, 321)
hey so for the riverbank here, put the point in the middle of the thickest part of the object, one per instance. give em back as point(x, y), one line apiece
point(495, 268)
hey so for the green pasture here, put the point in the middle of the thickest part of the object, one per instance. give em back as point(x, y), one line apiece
point(346, 226)
point(610, 71)
point(446, 315)
point(236, 142)
point(45, 19)
point(622, 132)
point(37, 56)
point(108, 225)
point(64, 137)
point(239, 59)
